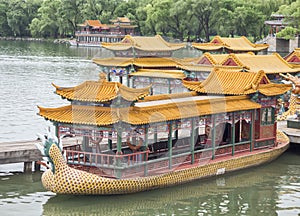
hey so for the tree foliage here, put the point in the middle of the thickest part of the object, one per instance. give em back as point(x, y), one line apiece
point(182, 19)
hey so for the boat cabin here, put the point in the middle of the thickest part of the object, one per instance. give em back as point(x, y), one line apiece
point(127, 133)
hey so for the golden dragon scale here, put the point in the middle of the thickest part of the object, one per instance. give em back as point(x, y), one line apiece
point(67, 180)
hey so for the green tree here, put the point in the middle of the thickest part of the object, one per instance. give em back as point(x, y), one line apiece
point(5, 29)
point(47, 22)
point(70, 14)
point(20, 14)
point(204, 12)
point(225, 18)
point(292, 13)
point(288, 33)
point(104, 10)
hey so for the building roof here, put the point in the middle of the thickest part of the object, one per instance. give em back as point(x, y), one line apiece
point(156, 43)
point(114, 61)
point(168, 96)
point(241, 44)
point(153, 62)
point(195, 68)
point(101, 91)
point(205, 63)
point(122, 22)
point(293, 57)
point(270, 64)
point(94, 24)
point(227, 82)
point(168, 74)
point(206, 59)
point(148, 112)
point(121, 19)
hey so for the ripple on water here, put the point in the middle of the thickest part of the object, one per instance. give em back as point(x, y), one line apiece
point(26, 83)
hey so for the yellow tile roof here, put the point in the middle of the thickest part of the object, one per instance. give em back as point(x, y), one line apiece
point(168, 96)
point(93, 23)
point(148, 112)
point(213, 59)
point(270, 64)
point(75, 114)
point(170, 74)
point(114, 62)
point(196, 68)
point(228, 82)
point(155, 62)
point(232, 44)
point(140, 62)
point(121, 19)
point(156, 43)
point(101, 91)
point(293, 57)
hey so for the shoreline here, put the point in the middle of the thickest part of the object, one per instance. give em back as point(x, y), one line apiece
point(30, 39)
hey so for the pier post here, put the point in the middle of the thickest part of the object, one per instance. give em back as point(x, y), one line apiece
point(37, 166)
point(27, 167)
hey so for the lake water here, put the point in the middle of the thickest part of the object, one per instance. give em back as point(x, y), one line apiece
point(27, 70)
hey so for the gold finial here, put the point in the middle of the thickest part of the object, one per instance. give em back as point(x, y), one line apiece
point(102, 76)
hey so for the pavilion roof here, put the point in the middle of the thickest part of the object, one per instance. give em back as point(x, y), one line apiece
point(101, 91)
point(206, 62)
point(121, 19)
point(156, 43)
point(293, 57)
point(148, 112)
point(227, 82)
point(170, 74)
point(206, 59)
point(241, 44)
point(140, 62)
point(94, 24)
point(168, 96)
point(195, 68)
point(114, 61)
point(270, 64)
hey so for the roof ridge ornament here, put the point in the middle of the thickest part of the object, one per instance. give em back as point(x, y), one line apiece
point(102, 77)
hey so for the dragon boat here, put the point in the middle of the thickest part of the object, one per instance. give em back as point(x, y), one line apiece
point(129, 141)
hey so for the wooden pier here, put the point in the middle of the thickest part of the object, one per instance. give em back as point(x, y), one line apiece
point(25, 152)
point(292, 133)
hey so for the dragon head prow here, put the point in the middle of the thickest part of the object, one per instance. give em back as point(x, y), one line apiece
point(44, 146)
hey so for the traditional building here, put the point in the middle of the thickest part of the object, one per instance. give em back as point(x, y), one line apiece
point(229, 113)
point(93, 32)
point(119, 67)
point(276, 24)
point(161, 81)
point(141, 46)
point(255, 84)
point(230, 45)
point(199, 68)
point(122, 26)
point(293, 57)
point(272, 65)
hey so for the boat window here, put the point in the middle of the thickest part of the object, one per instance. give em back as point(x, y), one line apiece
point(267, 116)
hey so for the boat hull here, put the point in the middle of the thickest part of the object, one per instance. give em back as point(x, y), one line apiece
point(67, 180)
